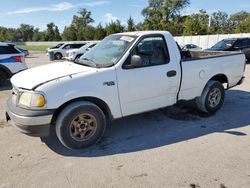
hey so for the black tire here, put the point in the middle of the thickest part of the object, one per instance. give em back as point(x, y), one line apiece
point(212, 97)
point(3, 77)
point(58, 56)
point(78, 58)
point(67, 132)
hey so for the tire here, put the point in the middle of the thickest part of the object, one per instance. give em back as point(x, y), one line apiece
point(58, 56)
point(3, 77)
point(80, 125)
point(212, 97)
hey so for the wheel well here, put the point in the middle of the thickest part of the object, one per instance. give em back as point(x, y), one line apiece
point(220, 78)
point(58, 53)
point(6, 71)
point(100, 103)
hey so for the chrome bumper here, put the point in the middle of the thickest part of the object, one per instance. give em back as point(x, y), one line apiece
point(32, 123)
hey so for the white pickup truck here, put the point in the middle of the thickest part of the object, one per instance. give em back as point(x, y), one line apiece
point(125, 74)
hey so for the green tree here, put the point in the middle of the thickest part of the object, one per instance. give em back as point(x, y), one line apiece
point(239, 22)
point(131, 24)
point(196, 23)
point(89, 32)
point(159, 14)
point(36, 35)
point(69, 34)
point(100, 32)
point(244, 26)
point(114, 27)
point(79, 26)
point(50, 34)
point(57, 34)
point(26, 32)
point(219, 23)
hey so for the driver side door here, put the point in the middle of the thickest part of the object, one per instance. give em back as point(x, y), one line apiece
point(152, 85)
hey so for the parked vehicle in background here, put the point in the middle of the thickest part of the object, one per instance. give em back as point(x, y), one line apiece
point(125, 74)
point(60, 52)
point(55, 47)
point(75, 54)
point(191, 47)
point(24, 51)
point(233, 44)
point(11, 61)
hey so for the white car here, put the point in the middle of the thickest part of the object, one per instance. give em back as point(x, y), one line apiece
point(11, 61)
point(191, 47)
point(75, 54)
point(60, 52)
point(125, 74)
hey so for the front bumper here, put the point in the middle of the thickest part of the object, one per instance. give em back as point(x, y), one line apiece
point(31, 122)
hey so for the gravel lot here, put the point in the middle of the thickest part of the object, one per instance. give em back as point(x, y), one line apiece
point(172, 147)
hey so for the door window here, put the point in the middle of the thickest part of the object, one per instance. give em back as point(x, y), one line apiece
point(152, 51)
point(68, 46)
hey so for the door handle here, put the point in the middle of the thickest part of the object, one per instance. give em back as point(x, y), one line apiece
point(171, 73)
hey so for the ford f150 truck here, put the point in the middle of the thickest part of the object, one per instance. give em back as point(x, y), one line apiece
point(125, 74)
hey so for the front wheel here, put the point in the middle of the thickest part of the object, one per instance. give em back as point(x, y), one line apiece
point(58, 56)
point(80, 125)
point(212, 97)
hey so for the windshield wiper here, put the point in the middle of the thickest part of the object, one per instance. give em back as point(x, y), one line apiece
point(90, 61)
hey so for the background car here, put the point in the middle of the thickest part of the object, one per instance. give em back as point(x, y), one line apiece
point(60, 52)
point(55, 47)
point(75, 54)
point(233, 44)
point(11, 61)
point(191, 47)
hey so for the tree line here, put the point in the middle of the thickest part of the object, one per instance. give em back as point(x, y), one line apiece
point(158, 15)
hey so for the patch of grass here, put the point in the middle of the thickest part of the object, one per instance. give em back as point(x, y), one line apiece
point(35, 48)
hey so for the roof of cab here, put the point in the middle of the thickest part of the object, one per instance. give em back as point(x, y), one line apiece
point(141, 33)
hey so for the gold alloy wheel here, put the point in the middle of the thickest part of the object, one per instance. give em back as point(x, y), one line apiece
point(214, 98)
point(83, 127)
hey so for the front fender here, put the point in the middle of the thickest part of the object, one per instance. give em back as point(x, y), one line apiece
point(62, 90)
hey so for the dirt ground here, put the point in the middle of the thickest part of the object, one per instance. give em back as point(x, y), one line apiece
point(172, 147)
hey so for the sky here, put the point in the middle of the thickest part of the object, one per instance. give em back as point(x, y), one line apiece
point(39, 13)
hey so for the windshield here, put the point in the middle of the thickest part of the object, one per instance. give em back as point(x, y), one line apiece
point(108, 52)
point(85, 47)
point(224, 44)
point(58, 46)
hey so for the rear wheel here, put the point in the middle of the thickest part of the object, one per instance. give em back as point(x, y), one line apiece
point(3, 77)
point(80, 125)
point(58, 56)
point(212, 97)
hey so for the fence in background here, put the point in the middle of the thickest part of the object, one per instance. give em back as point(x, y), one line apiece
point(204, 41)
point(207, 41)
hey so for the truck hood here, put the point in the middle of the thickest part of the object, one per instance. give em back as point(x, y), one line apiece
point(32, 78)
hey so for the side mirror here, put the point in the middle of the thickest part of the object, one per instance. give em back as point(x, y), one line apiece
point(136, 61)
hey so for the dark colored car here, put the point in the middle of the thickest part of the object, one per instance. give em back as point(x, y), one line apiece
point(233, 44)
point(24, 51)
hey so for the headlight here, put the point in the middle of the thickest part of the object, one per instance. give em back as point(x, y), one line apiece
point(32, 100)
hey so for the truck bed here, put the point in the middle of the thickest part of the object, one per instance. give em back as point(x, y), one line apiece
point(200, 66)
point(198, 55)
